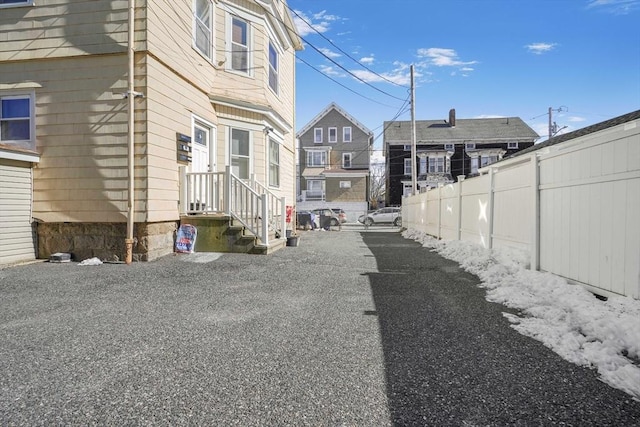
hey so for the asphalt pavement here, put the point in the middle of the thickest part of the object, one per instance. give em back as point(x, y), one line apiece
point(350, 328)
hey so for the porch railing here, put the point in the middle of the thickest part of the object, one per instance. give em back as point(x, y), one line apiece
point(250, 203)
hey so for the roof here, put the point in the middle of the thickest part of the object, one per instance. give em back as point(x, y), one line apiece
point(635, 115)
point(333, 106)
point(466, 130)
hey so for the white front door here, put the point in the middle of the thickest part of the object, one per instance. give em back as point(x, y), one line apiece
point(204, 188)
point(201, 143)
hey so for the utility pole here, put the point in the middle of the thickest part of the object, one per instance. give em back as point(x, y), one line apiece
point(553, 127)
point(413, 136)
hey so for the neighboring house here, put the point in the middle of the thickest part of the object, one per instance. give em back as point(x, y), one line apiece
point(213, 88)
point(446, 150)
point(335, 151)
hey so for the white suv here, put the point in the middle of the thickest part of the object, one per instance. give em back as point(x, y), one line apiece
point(382, 216)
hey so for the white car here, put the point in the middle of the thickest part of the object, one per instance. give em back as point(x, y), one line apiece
point(382, 216)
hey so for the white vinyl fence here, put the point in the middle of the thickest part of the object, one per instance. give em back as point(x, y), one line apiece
point(574, 206)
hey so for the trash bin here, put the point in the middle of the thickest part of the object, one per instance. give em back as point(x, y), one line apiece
point(325, 221)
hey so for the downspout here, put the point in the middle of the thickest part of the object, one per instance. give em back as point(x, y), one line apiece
point(131, 134)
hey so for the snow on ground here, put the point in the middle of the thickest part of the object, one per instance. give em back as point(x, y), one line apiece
point(582, 329)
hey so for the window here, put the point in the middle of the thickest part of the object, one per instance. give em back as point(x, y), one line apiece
point(346, 160)
point(202, 19)
point(9, 3)
point(316, 158)
point(345, 184)
point(317, 135)
point(512, 146)
point(273, 68)
point(482, 161)
point(407, 166)
point(16, 118)
point(423, 165)
point(407, 147)
point(487, 160)
point(449, 147)
point(346, 134)
point(240, 45)
point(315, 188)
point(240, 153)
point(436, 164)
point(470, 146)
point(333, 134)
point(274, 163)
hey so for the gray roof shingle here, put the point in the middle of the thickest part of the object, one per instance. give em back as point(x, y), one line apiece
point(466, 130)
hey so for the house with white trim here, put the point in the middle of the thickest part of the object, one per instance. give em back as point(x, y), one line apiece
point(334, 159)
point(122, 117)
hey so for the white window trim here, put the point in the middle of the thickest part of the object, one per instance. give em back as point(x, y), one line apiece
point(407, 166)
point(21, 4)
point(345, 184)
point(315, 134)
point(470, 146)
point(31, 142)
point(344, 157)
point(512, 145)
point(279, 141)
point(344, 133)
point(434, 161)
point(449, 146)
point(229, 43)
point(211, 31)
point(228, 156)
point(333, 140)
point(424, 165)
point(326, 158)
point(276, 72)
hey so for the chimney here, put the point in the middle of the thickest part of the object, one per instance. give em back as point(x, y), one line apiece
point(452, 117)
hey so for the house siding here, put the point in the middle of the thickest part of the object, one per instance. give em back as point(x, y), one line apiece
point(74, 54)
point(16, 231)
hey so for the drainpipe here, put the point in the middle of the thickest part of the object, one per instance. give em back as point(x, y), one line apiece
point(131, 134)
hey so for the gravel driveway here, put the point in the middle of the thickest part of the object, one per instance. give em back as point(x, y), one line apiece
point(350, 328)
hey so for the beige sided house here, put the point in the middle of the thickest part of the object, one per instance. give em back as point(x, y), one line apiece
point(213, 97)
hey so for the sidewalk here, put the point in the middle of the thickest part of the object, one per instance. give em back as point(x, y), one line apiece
point(352, 327)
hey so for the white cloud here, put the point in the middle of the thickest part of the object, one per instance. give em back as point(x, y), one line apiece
point(616, 7)
point(329, 53)
point(369, 77)
point(576, 119)
point(367, 59)
point(540, 48)
point(319, 22)
point(442, 57)
point(331, 71)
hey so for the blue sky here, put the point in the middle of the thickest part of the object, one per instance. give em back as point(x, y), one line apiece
point(485, 58)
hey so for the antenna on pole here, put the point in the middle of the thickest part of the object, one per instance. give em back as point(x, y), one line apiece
point(413, 135)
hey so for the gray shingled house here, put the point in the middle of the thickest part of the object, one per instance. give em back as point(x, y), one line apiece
point(447, 149)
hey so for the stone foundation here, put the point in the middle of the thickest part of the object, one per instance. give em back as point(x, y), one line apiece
point(106, 241)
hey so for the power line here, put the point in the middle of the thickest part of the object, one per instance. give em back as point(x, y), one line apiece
point(342, 51)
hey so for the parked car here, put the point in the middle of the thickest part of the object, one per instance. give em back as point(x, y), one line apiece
point(326, 216)
point(382, 216)
point(342, 215)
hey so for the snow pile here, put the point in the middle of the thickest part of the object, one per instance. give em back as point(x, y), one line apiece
point(568, 319)
point(91, 261)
